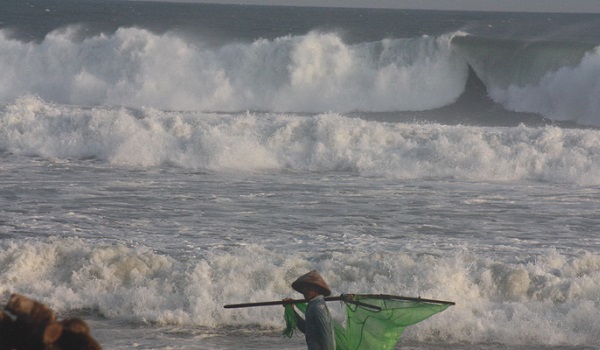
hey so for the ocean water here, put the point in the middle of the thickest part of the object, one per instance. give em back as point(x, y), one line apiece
point(161, 160)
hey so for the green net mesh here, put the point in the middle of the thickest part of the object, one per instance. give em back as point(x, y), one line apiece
point(368, 328)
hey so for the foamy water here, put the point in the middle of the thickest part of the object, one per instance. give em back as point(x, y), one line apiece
point(288, 142)
point(153, 172)
point(314, 72)
point(308, 73)
point(164, 250)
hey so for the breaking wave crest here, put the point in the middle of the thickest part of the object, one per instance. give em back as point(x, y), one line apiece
point(310, 73)
point(287, 142)
point(558, 80)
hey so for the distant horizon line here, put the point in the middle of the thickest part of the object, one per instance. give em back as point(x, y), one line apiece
point(345, 6)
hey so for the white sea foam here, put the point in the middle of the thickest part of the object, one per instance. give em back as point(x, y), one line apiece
point(497, 301)
point(137, 192)
point(282, 142)
point(567, 94)
point(315, 72)
point(311, 73)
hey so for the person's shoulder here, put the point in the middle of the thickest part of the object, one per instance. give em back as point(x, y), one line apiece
point(320, 302)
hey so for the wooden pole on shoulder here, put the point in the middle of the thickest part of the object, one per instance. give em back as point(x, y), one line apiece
point(348, 298)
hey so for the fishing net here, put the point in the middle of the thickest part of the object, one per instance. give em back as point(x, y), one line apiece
point(374, 322)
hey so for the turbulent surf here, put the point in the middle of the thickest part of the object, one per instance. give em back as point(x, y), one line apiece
point(160, 160)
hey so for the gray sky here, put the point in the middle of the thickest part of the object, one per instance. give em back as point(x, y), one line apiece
point(472, 5)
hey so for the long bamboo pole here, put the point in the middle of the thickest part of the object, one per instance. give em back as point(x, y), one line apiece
point(281, 302)
point(344, 297)
point(401, 298)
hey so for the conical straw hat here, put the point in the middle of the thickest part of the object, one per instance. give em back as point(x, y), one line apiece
point(312, 278)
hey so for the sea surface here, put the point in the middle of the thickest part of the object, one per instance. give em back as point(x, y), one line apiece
point(161, 160)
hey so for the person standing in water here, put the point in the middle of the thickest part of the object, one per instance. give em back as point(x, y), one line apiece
point(317, 325)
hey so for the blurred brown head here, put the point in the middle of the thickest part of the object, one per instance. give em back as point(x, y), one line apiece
point(313, 280)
